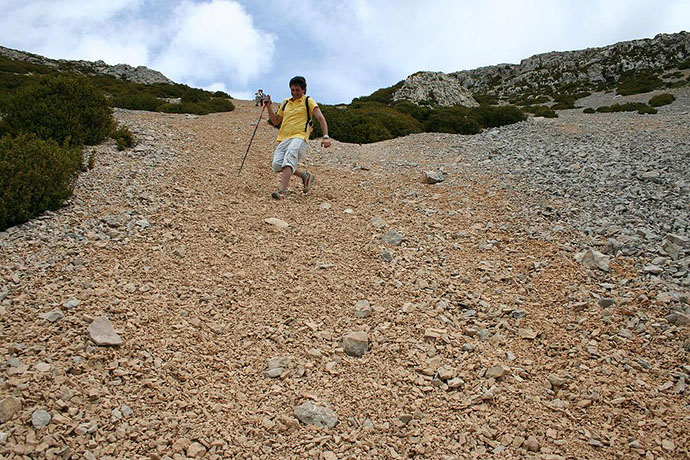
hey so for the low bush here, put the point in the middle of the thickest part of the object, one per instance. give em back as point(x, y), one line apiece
point(495, 116)
point(137, 101)
point(452, 120)
point(639, 107)
point(541, 111)
point(636, 83)
point(485, 99)
point(589, 110)
point(66, 109)
point(662, 99)
point(123, 137)
point(35, 175)
point(367, 122)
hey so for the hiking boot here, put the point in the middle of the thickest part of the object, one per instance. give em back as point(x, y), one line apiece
point(279, 195)
point(308, 181)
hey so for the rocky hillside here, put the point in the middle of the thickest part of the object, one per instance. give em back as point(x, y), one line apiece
point(140, 74)
point(533, 304)
point(663, 60)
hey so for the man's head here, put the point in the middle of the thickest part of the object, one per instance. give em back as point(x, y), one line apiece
point(298, 86)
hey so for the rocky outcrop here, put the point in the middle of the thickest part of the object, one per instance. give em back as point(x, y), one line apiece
point(435, 87)
point(554, 69)
point(140, 74)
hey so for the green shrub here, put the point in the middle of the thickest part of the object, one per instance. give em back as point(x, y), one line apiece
point(35, 175)
point(589, 110)
point(645, 109)
point(418, 112)
point(685, 65)
point(636, 83)
point(367, 122)
point(541, 111)
point(64, 108)
point(662, 99)
point(485, 99)
point(494, 116)
point(137, 101)
point(451, 120)
point(639, 107)
point(123, 137)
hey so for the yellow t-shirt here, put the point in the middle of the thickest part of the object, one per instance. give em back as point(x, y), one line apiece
point(294, 118)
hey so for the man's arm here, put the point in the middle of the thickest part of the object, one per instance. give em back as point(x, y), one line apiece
point(326, 141)
point(275, 119)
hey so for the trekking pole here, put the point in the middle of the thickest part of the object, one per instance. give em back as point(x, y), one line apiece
point(263, 106)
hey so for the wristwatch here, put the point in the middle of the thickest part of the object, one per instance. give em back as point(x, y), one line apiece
point(326, 136)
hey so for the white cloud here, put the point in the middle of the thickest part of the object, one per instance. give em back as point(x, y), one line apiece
point(215, 41)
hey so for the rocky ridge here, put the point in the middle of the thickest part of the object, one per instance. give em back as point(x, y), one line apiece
point(555, 69)
point(377, 316)
point(139, 74)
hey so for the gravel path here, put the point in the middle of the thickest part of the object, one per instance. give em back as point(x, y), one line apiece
point(480, 332)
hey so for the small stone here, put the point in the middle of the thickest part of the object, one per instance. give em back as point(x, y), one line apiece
point(517, 314)
point(526, 333)
point(653, 269)
point(53, 316)
point(126, 410)
point(71, 303)
point(387, 256)
point(457, 382)
point(678, 240)
point(325, 206)
point(496, 372)
point(378, 222)
point(277, 222)
point(40, 419)
point(532, 444)
point(42, 367)
point(3, 437)
point(102, 332)
point(606, 302)
point(406, 418)
point(673, 250)
point(556, 381)
point(9, 407)
point(393, 238)
point(312, 414)
point(362, 309)
point(196, 450)
point(434, 177)
point(446, 373)
point(328, 455)
point(356, 343)
point(679, 319)
point(349, 211)
point(593, 260)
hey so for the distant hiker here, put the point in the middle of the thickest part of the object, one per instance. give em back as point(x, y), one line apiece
point(259, 97)
point(294, 117)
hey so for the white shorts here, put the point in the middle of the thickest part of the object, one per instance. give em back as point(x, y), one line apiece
point(289, 153)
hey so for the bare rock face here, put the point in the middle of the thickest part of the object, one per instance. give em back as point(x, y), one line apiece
point(438, 87)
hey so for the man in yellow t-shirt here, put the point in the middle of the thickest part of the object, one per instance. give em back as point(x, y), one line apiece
point(293, 135)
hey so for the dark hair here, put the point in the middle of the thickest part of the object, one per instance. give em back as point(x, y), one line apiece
point(299, 81)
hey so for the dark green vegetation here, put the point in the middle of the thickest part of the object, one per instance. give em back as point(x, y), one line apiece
point(16, 75)
point(367, 120)
point(44, 128)
point(639, 107)
point(68, 110)
point(662, 99)
point(35, 175)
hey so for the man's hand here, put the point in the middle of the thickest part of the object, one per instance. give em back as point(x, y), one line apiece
point(267, 100)
point(325, 143)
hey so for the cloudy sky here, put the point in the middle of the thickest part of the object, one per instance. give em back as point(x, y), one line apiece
point(345, 48)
